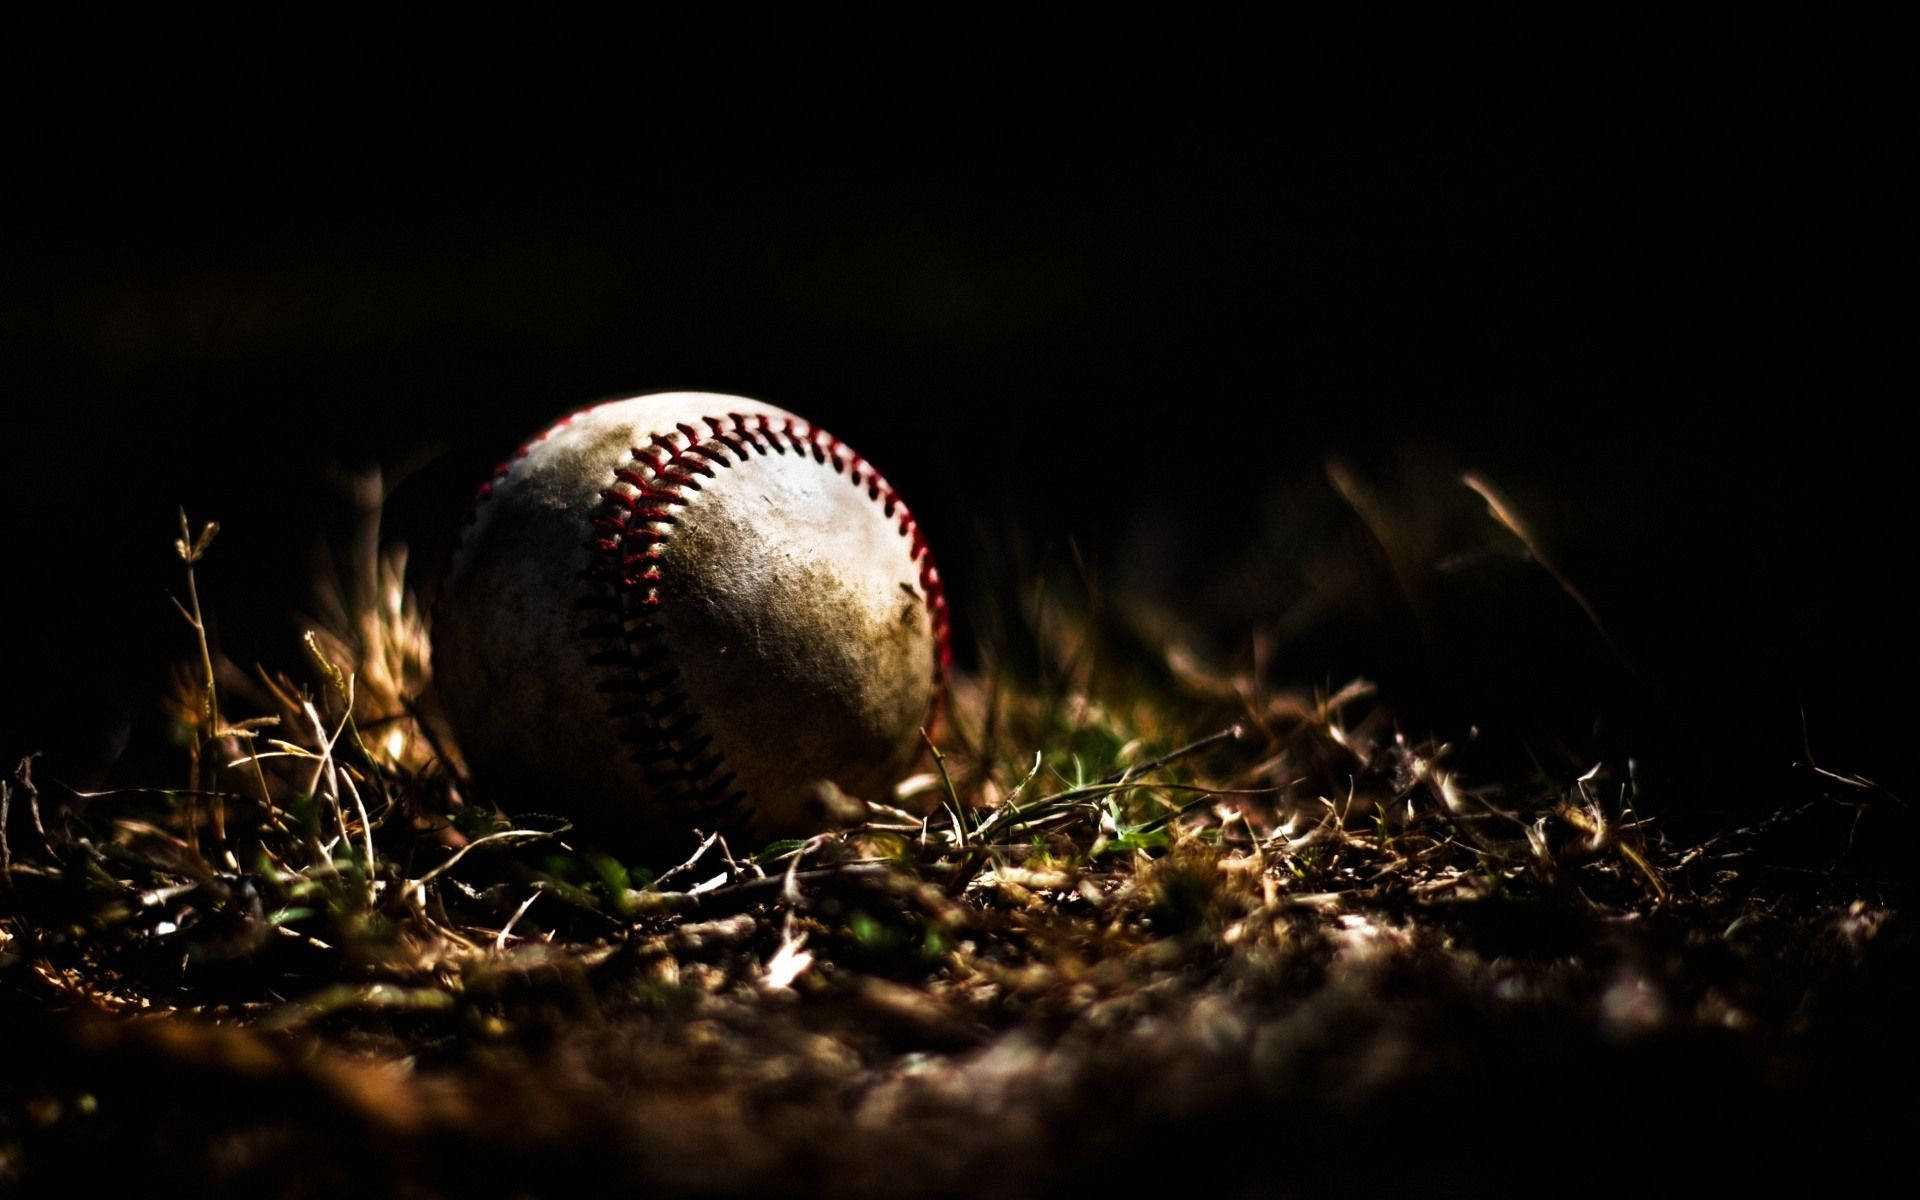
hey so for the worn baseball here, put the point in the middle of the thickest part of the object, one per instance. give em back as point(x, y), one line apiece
point(686, 611)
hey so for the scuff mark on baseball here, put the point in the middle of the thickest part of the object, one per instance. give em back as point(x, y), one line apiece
point(685, 611)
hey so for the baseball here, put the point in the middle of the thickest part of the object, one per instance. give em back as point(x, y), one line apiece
point(685, 611)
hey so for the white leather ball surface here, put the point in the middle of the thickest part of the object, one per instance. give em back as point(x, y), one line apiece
point(684, 611)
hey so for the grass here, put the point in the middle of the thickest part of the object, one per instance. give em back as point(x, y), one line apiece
point(1136, 916)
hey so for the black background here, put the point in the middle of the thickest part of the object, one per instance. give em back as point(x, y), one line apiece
point(1675, 333)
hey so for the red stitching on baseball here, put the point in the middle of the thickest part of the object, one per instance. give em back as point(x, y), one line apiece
point(506, 468)
point(655, 723)
point(482, 493)
point(659, 729)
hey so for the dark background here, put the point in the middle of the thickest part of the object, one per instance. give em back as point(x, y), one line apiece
point(1677, 336)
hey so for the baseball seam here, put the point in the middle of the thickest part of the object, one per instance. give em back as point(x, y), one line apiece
point(634, 520)
point(485, 491)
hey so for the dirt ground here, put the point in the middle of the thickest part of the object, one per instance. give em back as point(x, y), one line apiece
point(1298, 955)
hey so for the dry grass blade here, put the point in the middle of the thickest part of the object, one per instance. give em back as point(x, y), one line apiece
point(1089, 860)
point(1509, 516)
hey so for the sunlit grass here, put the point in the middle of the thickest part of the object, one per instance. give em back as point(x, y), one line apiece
point(1112, 841)
point(323, 833)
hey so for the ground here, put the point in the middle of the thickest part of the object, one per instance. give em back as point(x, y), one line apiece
point(1137, 919)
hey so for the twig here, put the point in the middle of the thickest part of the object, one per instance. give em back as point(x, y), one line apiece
point(705, 845)
point(734, 868)
point(956, 808)
point(750, 891)
point(1230, 734)
point(1176, 814)
point(23, 775)
point(789, 889)
point(500, 941)
point(505, 835)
